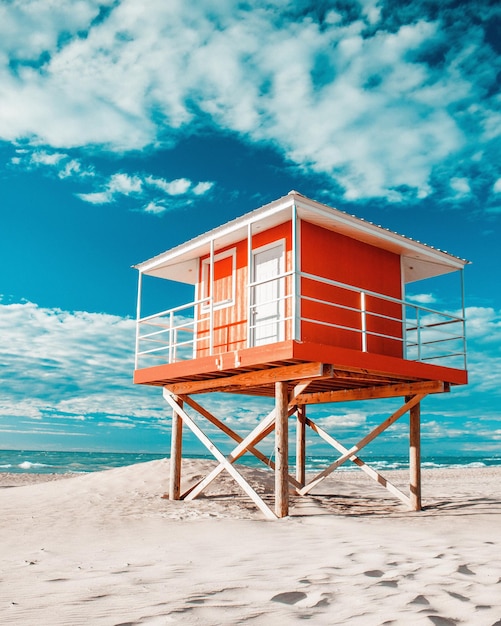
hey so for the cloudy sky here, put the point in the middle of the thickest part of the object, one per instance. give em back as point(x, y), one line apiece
point(128, 127)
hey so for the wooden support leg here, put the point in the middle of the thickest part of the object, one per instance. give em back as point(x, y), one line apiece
point(282, 450)
point(176, 455)
point(301, 445)
point(415, 457)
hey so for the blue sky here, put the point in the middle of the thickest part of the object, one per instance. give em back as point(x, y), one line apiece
point(127, 128)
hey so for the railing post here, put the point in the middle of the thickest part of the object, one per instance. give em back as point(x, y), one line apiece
point(418, 333)
point(363, 321)
point(404, 330)
point(171, 322)
point(211, 300)
point(138, 317)
point(296, 277)
point(196, 311)
point(250, 280)
point(464, 318)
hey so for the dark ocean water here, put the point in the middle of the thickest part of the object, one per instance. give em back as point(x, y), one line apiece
point(48, 462)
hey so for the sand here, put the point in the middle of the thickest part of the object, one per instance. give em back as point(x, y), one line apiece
point(104, 548)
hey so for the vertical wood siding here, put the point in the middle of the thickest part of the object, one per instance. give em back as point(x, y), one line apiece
point(230, 322)
point(343, 259)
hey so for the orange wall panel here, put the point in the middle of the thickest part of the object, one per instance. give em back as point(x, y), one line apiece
point(339, 258)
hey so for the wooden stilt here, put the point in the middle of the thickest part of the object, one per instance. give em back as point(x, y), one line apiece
point(175, 455)
point(301, 445)
point(281, 450)
point(415, 457)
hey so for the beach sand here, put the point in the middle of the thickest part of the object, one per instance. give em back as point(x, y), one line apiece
point(105, 548)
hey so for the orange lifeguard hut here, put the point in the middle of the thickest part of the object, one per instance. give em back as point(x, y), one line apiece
point(307, 304)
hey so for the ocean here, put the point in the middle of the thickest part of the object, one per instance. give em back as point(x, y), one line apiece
point(50, 462)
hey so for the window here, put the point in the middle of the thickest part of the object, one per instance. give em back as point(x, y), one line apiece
point(224, 279)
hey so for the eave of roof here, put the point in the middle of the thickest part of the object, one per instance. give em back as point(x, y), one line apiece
point(278, 211)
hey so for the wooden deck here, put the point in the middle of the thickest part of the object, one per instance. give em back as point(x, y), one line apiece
point(254, 371)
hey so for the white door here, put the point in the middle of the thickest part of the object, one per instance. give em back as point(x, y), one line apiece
point(268, 295)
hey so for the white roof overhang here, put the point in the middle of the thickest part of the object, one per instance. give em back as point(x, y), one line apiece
point(418, 260)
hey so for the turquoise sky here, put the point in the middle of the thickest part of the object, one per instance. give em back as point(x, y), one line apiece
point(129, 127)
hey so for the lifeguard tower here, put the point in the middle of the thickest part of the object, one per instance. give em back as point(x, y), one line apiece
point(306, 304)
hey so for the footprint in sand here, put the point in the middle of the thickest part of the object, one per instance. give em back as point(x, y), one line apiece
point(289, 597)
point(420, 600)
point(458, 596)
point(388, 583)
point(374, 573)
point(441, 621)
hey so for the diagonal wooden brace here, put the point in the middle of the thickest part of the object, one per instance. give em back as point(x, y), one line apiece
point(363, 442)
point(361, 464)
point(261, 431)
point(264, 428)
point(235, 436)
point(224, 464)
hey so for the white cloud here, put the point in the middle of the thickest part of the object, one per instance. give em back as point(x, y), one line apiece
point(202, 188)
point(497, 186)
point(344, 420)
point(71, 169)
point(69, 364)
point(461, 186)
point(118, 184)
point(422, 298)
point(99, 197)
point(364, 106)
point(124, 184)
point(372, 10)
point(484, 324)
point(173, 188)
point(21, 408)
point(46, 158)
point(65, 166)
point(155, 208)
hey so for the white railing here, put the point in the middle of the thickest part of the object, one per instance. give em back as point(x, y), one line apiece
point(167, 337)
point(426, 335)
point(435, 336)
point(422, 334)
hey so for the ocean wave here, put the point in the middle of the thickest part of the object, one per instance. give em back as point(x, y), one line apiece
point(451, 464)
point(26, 465)
point(472, 464)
